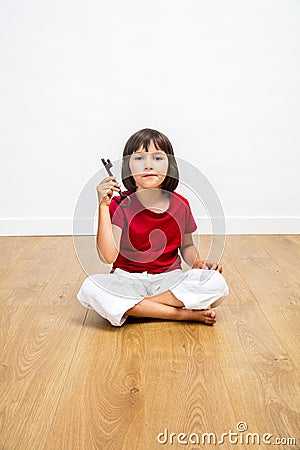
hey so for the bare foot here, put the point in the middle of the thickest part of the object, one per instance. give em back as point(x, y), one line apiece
point(203, 315)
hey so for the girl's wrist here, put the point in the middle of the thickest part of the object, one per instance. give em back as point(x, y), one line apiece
point(103, 205)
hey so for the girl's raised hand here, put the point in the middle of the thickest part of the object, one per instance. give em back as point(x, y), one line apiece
point(105, 190)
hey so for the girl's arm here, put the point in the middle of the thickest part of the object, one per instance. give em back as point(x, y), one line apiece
point(108, 236)
point(192, 258)
point(189, 252)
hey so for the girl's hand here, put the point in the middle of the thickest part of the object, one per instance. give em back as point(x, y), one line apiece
point(209, 265)
point(105, 190)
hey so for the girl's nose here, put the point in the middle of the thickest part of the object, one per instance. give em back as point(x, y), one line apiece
point(148, 163)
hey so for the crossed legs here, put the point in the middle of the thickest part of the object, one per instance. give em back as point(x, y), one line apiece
point(167, 306)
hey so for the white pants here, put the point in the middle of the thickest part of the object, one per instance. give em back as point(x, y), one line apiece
point(111, 295)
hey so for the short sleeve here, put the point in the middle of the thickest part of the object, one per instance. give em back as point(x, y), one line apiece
point(116, 212)
point(190, 223)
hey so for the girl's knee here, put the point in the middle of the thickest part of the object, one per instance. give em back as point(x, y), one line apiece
point(220, 284)
point(222, 289)
point(87, 284)
point(88, 287)
point(214, 282)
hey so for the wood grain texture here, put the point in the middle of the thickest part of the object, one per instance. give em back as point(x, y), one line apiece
point(13, 249)
point(286, 320)
point(103, 401)
point(40, 326)
point(69, 380)
point(34, 363)
point(270, 284)
point(286, 253)
point(182, 385)
point(260, 375)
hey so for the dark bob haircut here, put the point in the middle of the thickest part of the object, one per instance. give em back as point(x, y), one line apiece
point(143, 139)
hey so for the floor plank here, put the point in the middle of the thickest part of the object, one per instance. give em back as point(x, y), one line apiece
point(29, 273)
point(285, 252)
point(270, 284)
point(285, 323)
point(13, 248)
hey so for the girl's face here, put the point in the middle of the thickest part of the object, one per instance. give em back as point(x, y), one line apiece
point(149, 169)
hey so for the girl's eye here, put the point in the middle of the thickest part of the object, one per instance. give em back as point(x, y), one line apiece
point(156, 158)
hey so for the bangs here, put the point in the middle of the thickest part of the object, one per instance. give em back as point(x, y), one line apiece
point(158, 144)
point(143, 138)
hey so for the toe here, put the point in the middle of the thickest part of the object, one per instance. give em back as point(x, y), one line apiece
point(211, 317)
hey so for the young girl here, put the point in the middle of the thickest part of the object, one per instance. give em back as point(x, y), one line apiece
point(141, 236)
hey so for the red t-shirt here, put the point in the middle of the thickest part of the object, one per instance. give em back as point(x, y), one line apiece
point(150, 240)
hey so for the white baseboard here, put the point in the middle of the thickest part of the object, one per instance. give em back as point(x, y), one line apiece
point(234, 225)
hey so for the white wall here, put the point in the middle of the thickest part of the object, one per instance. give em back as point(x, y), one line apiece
point(219, 78)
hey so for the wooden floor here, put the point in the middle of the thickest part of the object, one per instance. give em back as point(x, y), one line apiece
point(69, 380)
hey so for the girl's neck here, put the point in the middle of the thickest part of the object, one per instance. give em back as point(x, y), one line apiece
point(150, 198)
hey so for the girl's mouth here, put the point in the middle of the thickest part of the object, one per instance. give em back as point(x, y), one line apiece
point(150, 175)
